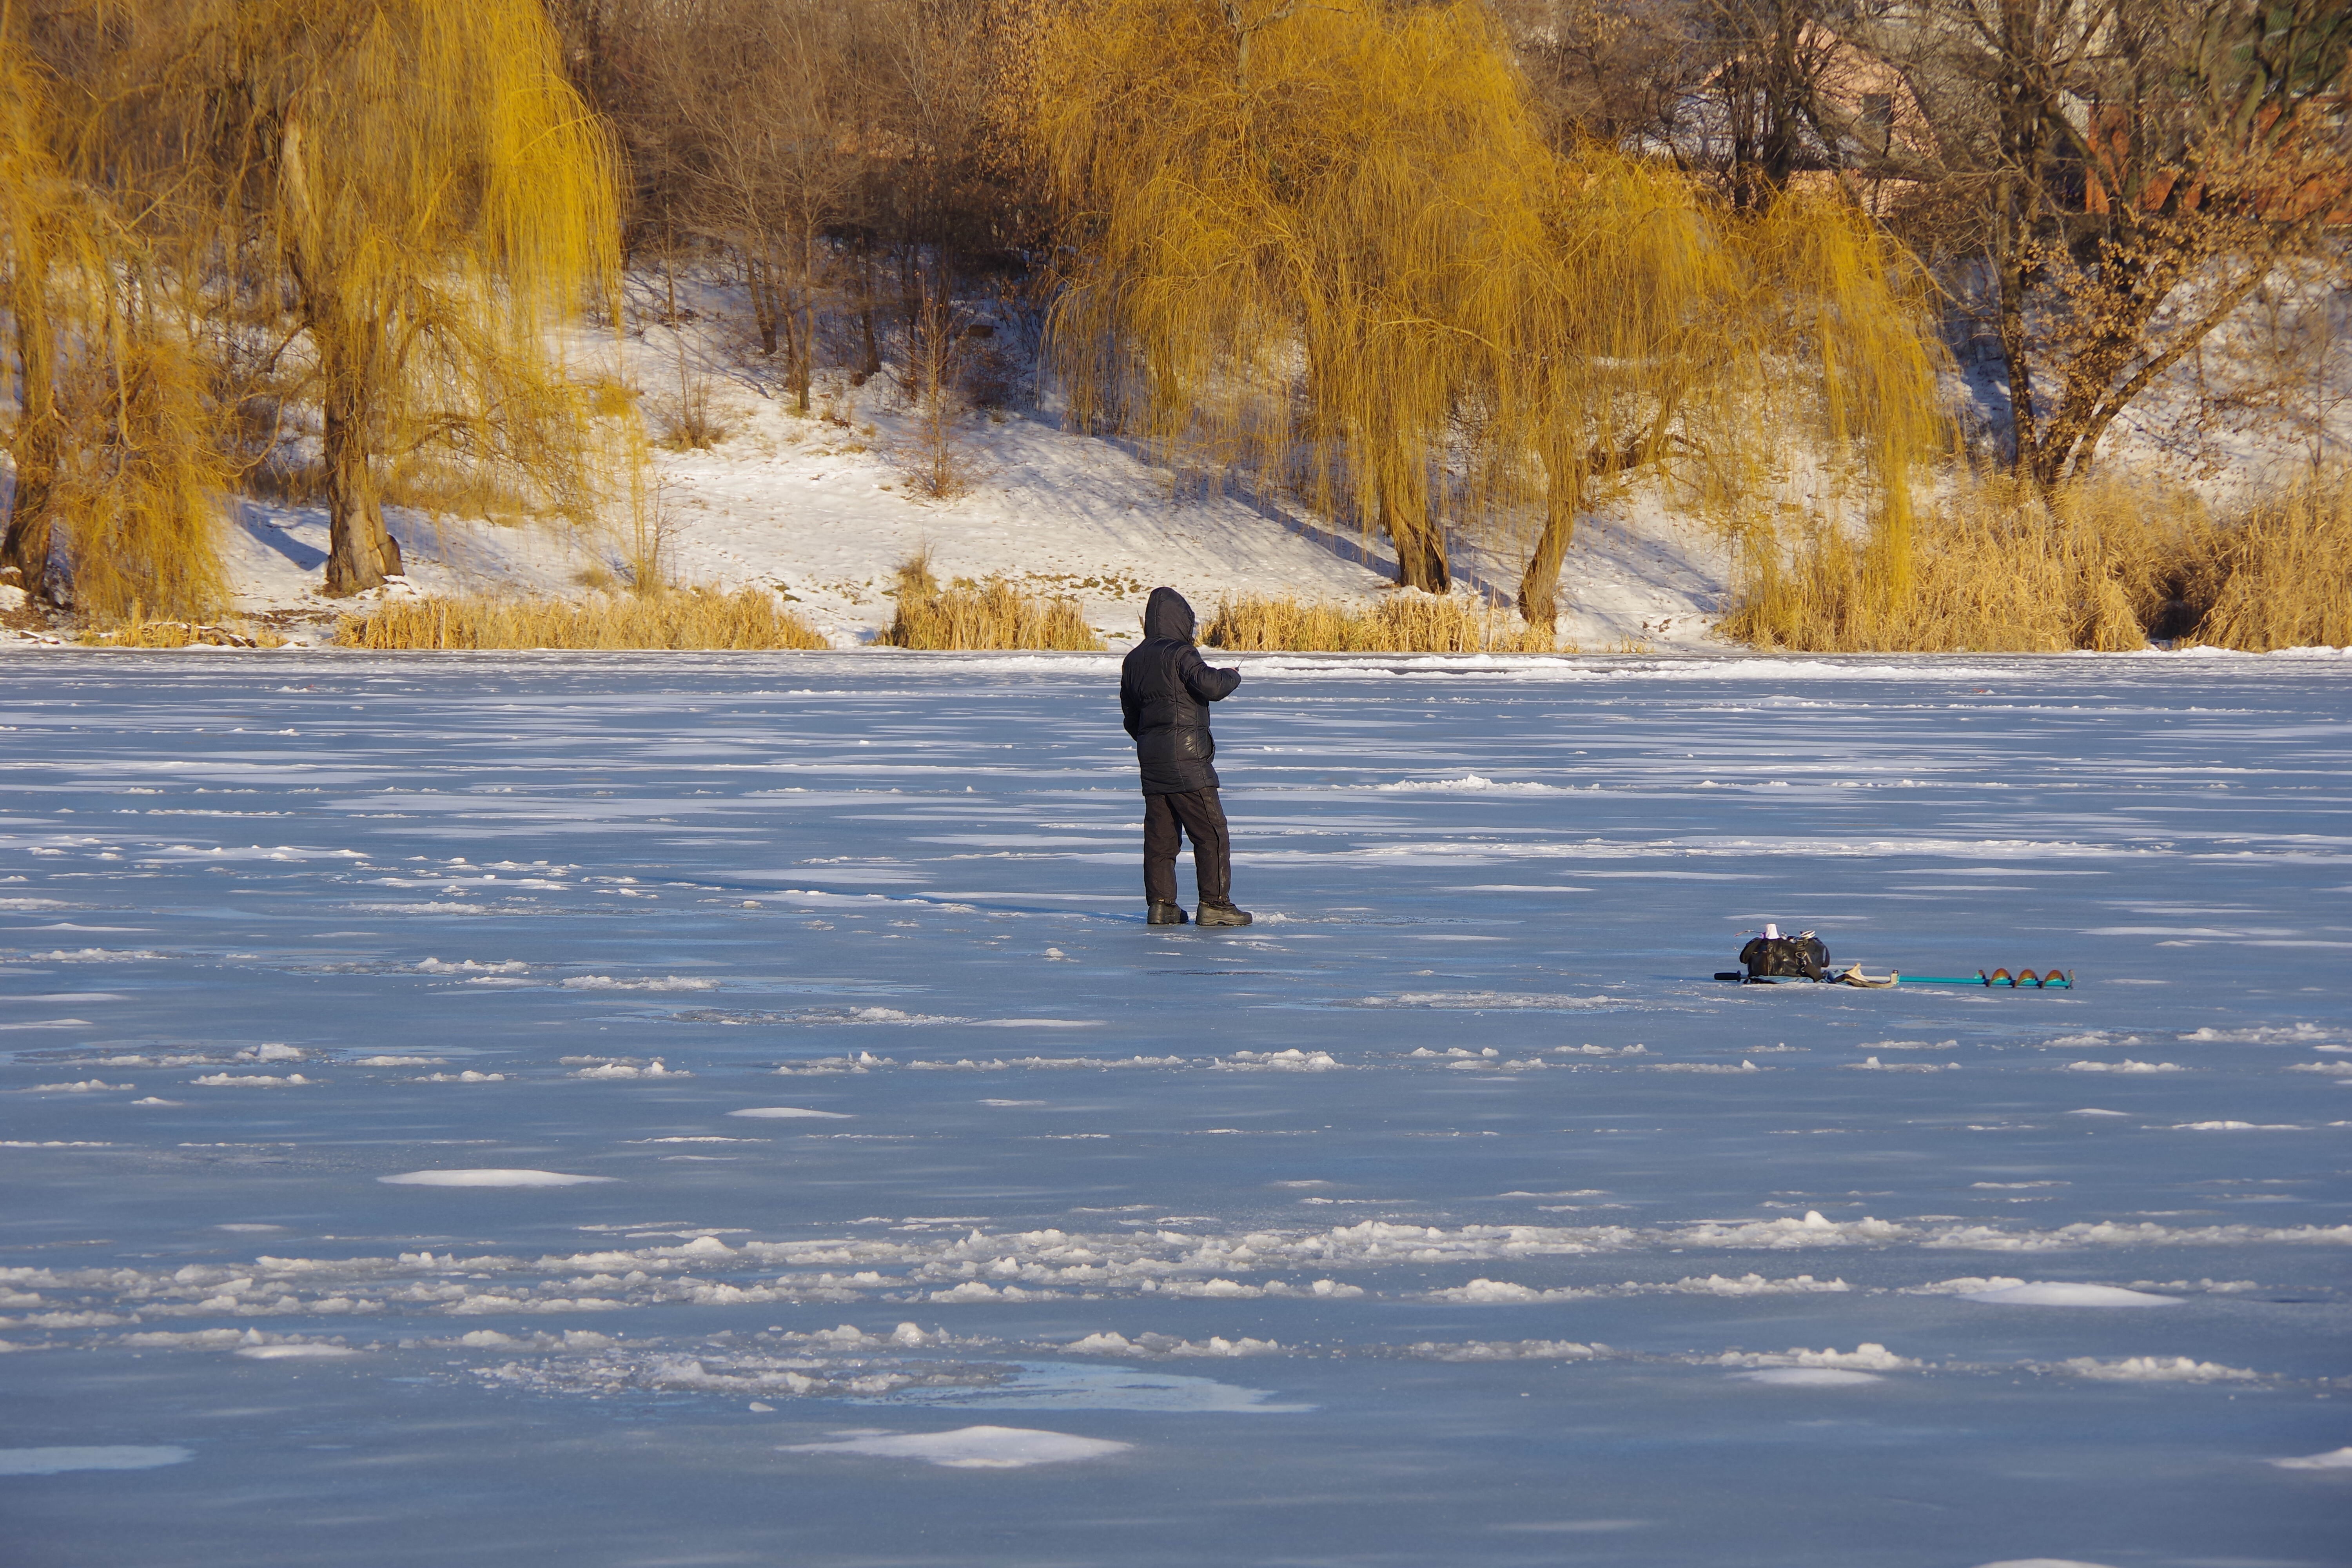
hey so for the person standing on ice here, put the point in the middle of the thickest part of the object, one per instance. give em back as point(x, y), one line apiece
point(1164, 691)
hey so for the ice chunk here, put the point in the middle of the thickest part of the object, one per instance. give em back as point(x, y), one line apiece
point(969, 1448)
point(1808, 1376)
point(2056, 1293)
point(296, 1353)
point(488, 1178)
point(790, 1112)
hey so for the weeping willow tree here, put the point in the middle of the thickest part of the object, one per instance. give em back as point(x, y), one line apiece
point(45, 242)
point(1330, 197)
point(117, 442)
point(1336, 229)
point(436, 197)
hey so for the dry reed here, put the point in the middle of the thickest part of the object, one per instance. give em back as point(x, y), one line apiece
point(991, 614)
point(747, 620)
point(2104, 567)
point(1402, 622)
point(2280, 575)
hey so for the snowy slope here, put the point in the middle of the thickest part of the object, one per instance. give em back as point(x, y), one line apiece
point(824, 511)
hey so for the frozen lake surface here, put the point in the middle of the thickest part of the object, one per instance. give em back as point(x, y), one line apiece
point(704, 1109)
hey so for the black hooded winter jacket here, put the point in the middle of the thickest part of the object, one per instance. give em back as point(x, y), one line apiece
point(1164, 691)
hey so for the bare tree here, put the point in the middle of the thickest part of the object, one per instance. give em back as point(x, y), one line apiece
point(2129, 174)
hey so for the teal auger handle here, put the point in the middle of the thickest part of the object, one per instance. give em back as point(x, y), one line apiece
point(2055, 980)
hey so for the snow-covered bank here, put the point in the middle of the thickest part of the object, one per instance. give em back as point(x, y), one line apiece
point(824, 511)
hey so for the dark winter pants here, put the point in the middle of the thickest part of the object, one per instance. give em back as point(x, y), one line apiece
point(1202, 820)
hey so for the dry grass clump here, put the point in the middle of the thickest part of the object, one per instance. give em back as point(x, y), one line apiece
point(138, 631)
point(991, 614)
point(2106, 567)
point(691, 422)
point(744, 621)
point(1402, 622)
point(2280, 577)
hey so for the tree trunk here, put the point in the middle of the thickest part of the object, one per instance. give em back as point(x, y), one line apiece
point(2010, 270)
point(804, 351)
point(764, 304)
point(361, 553)
point(25, 545)
point(870, 362)
point(1404, 514)
point(1540, 584)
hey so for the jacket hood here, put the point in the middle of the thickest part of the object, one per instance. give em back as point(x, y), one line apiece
point(1166, 615)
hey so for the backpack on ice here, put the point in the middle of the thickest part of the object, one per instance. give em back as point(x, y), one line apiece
point(1776, 957)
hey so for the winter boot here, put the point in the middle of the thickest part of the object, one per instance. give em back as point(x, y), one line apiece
point(1165, 914)
point(1223, 915)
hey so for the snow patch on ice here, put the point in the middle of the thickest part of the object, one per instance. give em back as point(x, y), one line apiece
point(1471, 782)
point(1506, 1350)
point(2239, 1127)
point(112, 1456)
point(2157, 1369)
point(2064, 1293)
point(974, 1447)
point(790, 1113)
point(666, 983)
point(1868, 1356)
point(2289, 1035)
point(1292, 1061)
point(2127, 1065)
point(488, 1177)
point(1111, 1342)
point(2334, 1459)
point(654, 1069)
point(252, 1080)
point(1808, 1376)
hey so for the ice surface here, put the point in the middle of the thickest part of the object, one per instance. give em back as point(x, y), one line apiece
point(1374, 1232)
